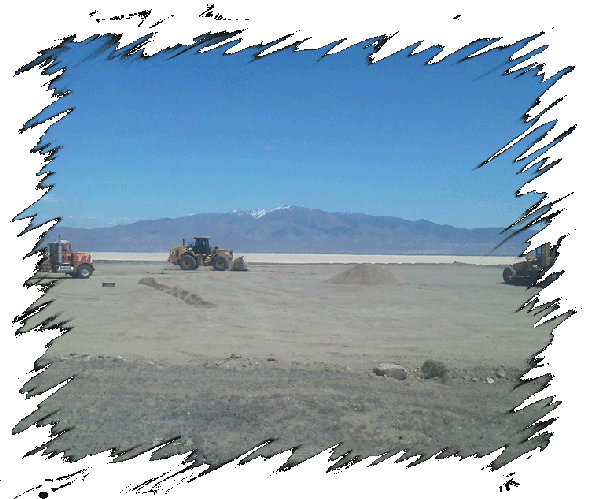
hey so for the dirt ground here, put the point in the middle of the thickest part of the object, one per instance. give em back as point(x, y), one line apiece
point(219, 362)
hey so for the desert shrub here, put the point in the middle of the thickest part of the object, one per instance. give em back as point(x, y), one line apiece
point(435, 369)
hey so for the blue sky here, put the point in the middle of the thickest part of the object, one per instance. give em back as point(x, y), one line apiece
point(203, 133)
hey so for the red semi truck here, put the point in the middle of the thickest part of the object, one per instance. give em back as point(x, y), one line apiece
point(62, 259)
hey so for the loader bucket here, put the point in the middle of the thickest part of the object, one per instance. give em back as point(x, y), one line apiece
point(239, 264)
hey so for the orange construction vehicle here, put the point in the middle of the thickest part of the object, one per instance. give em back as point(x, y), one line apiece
point(199, 254)
point(528, 271)
point(62, 259)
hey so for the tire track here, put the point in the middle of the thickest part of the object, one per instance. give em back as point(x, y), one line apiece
point(190, 299)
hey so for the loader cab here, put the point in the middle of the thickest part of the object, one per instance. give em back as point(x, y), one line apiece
point(545, 255)
point(539, 252)
point(201, 246)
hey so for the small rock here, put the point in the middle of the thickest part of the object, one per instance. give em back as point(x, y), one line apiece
point(489, 380)
point(271, 359)
point(235, 356)
point(390, 370)
point(474, 378)
point(501, 373)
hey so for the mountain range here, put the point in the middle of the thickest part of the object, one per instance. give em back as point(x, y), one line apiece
point(292, 229)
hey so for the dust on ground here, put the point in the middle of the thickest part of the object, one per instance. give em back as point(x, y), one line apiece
point(287, 354)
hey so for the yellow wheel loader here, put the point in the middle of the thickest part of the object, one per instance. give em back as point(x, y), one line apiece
point(528, 272)
point(198, 254)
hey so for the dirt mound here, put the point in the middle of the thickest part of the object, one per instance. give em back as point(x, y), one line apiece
point(368, 274)
point(151, 282)
point(190, 299)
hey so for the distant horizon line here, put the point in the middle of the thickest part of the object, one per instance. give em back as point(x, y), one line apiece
point(407, 255)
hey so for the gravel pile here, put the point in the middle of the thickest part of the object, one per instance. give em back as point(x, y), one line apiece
point(367, 274)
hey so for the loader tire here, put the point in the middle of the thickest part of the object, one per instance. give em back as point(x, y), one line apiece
point(187, 262)
point(220, 263)
point(84, 271)
point(509, 274)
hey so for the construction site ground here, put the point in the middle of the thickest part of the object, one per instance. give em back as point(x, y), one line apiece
point(219, 362)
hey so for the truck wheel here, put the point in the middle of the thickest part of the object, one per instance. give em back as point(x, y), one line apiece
point(509, 274)
point(220, 263)
point(84, 271)
point(187, 262)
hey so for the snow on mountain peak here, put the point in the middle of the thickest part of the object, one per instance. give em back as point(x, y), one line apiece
point(258, 213)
